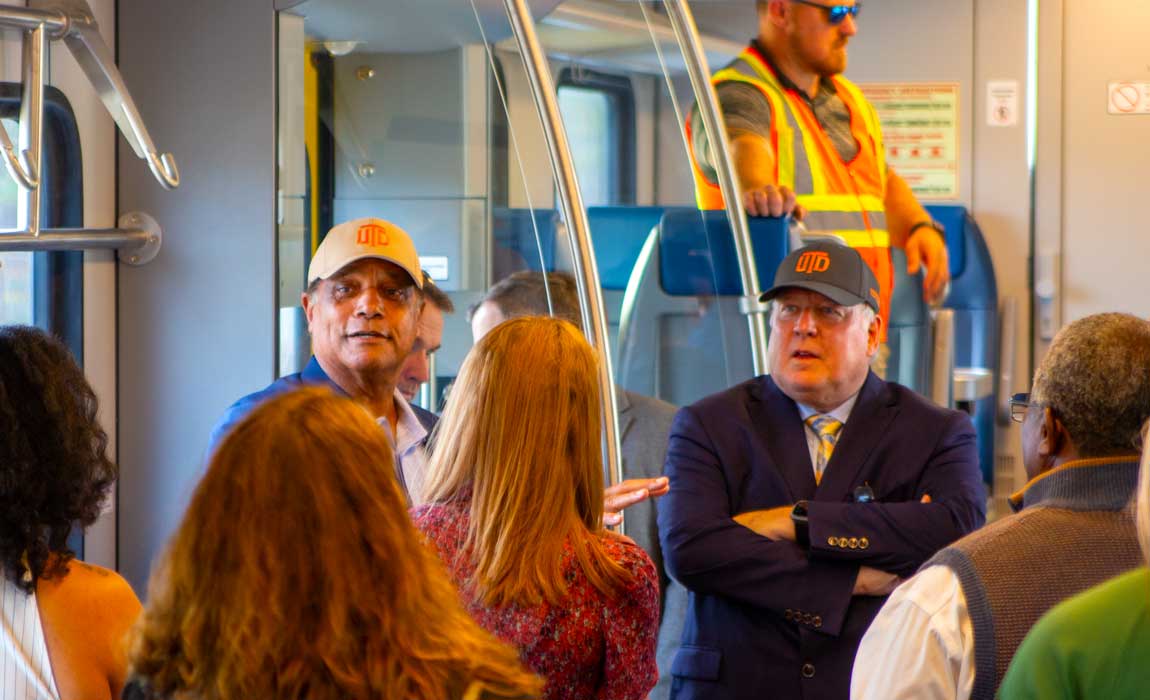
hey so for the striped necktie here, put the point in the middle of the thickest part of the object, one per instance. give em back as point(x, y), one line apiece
point(827, 428)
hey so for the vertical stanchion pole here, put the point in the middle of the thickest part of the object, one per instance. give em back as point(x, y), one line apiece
point(687, 34)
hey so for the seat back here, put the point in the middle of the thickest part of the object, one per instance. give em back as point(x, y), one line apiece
point(909, 332)
point(682, 335)
point(618, 234)
point(974, 299)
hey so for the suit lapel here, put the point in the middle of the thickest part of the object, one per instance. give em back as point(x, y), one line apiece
point(626, 415)
point(870, 419)
point(787, 441)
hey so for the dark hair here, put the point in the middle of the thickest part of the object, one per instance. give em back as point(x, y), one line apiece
point(526, 293)
point(438, 297)
point(53, 465)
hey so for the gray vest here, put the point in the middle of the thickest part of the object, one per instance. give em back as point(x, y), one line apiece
point(1076, 530)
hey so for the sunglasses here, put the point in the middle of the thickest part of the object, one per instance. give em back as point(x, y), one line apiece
point(835, 13)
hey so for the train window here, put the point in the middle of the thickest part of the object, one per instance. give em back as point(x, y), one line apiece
point(599, 115)
point(15, 268)
point(46, 289)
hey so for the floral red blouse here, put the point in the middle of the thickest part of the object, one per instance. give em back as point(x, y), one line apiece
point(589, 647)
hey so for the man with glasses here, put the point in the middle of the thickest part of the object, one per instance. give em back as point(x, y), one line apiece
point(798, 500)
point(805, 140)
point(951, 631)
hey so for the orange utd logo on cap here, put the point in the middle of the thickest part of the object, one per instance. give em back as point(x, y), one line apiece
point(812, 262)
point(372, 235)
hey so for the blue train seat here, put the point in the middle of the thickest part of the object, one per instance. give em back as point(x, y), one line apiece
point(682, 335)
point(909, 333)
point(974, 299)
point(618, 234)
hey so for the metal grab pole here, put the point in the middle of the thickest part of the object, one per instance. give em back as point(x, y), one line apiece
point(687, 34)
point(578, 229)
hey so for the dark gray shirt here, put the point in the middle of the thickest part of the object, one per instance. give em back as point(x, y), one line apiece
point(745, 109)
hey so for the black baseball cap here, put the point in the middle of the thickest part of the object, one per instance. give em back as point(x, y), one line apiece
point(836, 271)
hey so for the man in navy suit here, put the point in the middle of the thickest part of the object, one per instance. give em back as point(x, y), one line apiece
point(800, 499)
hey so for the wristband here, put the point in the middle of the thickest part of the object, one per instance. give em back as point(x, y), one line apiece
point(802, 525)
point(929, 223)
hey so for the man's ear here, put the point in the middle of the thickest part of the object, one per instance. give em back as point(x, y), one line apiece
point(1052, 436)
point(308, 307)
point(775, 13)
point(874, 335)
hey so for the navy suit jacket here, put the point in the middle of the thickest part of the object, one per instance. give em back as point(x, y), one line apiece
point(766, 618)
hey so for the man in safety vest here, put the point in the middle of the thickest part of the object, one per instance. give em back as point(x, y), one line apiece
point(804, 140)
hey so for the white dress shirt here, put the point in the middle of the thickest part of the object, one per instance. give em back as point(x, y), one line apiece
point(410, 453)
point(920, 645)
point(840, 414)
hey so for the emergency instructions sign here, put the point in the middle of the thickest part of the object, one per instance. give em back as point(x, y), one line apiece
point(920, 131)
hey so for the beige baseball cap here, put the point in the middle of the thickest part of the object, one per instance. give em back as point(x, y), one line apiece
point(364, 238)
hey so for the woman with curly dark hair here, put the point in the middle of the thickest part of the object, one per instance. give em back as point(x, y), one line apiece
point(62, 622)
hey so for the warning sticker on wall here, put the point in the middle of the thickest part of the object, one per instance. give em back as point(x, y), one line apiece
point(920, 128)
point(1128, 97)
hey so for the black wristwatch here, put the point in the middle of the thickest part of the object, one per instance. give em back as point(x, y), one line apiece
point(802, 525)
point(929, 223)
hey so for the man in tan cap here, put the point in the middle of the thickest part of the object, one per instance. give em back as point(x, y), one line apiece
point(362, 304)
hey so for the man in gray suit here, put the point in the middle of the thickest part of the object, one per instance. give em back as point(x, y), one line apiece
point(644, 426)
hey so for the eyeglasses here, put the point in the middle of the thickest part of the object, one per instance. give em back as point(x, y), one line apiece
point(823, 314)
point(1019, 403)
point(835, 13)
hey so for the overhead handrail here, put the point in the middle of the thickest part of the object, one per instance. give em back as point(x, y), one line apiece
point(138, 237)
point(81, 35)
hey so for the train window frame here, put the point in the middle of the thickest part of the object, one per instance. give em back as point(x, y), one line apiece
point(57, 277)
point(620, 94)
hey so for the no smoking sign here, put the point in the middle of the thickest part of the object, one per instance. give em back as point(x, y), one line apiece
point(1128, 97)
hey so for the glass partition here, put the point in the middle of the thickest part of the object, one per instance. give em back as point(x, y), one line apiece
point(418, 112)
point(669, 275)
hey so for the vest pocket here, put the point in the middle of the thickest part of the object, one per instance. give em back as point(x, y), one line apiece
point(697, 663)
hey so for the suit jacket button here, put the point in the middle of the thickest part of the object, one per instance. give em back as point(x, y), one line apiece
point(788, 615)
point(806, 618)
point(864, 542)
point(832, 541)
point(818, 621)
point(808, 670)
point(854, 543)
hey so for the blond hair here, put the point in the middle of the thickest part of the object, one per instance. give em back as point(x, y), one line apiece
point(521, 438)
point(296, 573)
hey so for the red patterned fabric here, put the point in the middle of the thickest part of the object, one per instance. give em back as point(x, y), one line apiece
point(588, 647)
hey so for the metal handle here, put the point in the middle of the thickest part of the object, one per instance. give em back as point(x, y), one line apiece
point(1008, 320)
point(82, 37)
point(942, 360)
point(19, 167)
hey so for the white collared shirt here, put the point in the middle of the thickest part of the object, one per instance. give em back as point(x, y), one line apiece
point(841, 414)
point(920, 645)
point(410, 453)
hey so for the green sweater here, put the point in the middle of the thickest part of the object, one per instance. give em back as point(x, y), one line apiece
point(1095, 645)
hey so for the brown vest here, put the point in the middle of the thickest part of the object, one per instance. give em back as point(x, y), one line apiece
point(1076, 531)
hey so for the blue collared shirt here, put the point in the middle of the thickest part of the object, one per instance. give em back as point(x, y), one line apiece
point(410, 444)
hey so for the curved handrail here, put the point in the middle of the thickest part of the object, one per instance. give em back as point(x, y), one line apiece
point(19, 167)
point(579, 230)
